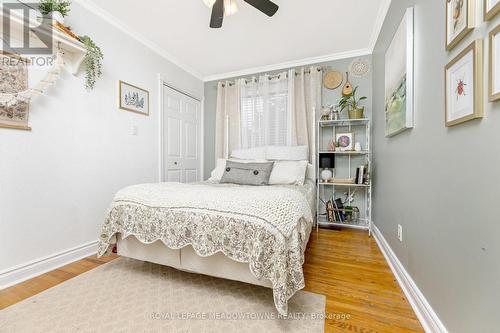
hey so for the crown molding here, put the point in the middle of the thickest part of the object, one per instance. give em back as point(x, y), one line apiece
point(289, 64)
point(108, 17)
point(379, 22)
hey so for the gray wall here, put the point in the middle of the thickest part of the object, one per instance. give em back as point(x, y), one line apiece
point(329, 97)
point(441, 184)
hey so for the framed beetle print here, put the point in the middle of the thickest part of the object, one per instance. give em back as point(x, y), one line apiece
point(464, 85)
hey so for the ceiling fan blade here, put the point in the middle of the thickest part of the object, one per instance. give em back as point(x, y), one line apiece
point(217, 14)
point(267, 7)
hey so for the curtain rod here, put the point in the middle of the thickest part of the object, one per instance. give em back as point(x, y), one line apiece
point(270, 77)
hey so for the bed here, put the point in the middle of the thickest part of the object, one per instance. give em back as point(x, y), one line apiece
point(253, 234)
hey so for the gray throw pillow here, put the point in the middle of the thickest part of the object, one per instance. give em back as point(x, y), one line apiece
point(247, 173)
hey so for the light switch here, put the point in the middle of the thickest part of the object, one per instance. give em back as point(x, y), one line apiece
point(134, 130)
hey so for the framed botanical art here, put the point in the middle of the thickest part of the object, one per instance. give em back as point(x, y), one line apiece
point(399, 78)
point(491, 9)
point(459, 21)
point(13, 79)
point(494, 65)
point(464, 85)
point(132, 98)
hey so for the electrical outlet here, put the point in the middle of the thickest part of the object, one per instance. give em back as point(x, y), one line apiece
point(400, 233)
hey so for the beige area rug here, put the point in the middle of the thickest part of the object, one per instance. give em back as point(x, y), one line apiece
point(127, 295)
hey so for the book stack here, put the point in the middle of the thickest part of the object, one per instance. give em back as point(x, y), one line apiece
point(361, 174)
point(339, 210)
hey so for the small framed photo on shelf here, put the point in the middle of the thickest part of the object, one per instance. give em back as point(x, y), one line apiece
point(464, 85)
point(459, 21)
point(132, 98)
point(494, 61)
point(345, 141)
point(491, 9)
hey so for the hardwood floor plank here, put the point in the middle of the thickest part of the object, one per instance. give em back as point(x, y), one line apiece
point(346, 266)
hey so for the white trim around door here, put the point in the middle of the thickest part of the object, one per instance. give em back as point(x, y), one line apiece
point(161, 84)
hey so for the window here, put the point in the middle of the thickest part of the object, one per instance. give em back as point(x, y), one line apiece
point(264, 116)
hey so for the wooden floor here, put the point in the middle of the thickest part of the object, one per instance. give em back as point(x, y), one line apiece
point(346, 266)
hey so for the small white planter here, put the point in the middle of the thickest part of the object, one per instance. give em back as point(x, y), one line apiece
point(56, 16)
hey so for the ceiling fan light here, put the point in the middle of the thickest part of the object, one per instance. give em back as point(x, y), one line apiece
point(230, 7)
point(209, 3)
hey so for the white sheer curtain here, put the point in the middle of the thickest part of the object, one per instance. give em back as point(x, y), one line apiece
point(264, 111)
point(227, 118)
point(305, 97)
point(270, 110)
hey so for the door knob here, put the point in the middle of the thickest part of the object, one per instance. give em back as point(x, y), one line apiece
point(175, 163)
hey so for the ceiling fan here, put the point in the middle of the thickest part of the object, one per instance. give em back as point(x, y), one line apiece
point(221, 8)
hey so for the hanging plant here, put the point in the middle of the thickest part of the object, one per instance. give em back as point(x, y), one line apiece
point(92, 61)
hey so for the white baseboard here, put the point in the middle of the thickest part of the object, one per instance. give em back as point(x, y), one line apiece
point(14, 275)
point(428, 318)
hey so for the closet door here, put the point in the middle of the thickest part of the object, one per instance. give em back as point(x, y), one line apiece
point(181, 137)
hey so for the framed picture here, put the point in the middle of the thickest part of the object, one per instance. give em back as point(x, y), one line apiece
point(13, 79)
point(344, 141)
point(464, 85)
point(459, 21)
point(491, 9)
point(494, 72)
point(399, 78)
point(132, 98)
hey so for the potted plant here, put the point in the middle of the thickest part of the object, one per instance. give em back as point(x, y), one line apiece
point(351, 103)
point(92, 61)
point(55, 9)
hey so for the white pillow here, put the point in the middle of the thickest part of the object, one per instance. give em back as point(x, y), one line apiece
point(287, 153)
point(288, 173)
point(257, 153)
point(216, 174)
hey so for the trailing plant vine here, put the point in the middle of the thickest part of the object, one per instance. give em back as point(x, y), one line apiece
point(92, 61)
point(61, 6)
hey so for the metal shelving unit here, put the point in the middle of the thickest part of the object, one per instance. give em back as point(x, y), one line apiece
point(348, 158)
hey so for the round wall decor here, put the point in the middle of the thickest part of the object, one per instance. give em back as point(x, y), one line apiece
point(359, 67)
point(332, 79)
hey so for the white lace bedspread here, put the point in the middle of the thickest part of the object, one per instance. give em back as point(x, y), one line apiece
point(266, 226)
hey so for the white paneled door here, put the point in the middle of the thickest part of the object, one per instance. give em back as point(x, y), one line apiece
point(181, 137)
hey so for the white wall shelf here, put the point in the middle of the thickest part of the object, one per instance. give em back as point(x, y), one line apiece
point(343, 184)
point(363, 225)
point(348, 152)
point(344, 122)
point(74, 50)
point(345, 164)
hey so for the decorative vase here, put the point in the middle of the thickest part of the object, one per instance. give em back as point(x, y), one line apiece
point(331, 145)
point(357, 113)
point(57, 16)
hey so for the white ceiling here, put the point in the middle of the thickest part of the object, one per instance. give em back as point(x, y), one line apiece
point(301, 32)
